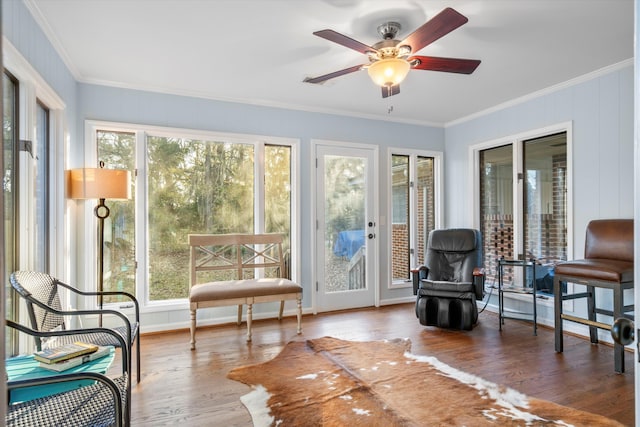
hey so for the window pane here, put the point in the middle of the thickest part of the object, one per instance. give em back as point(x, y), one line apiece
point(496, 207)
point(413, 211)
point(193, 187)
point(9, 129)
point(545, 205)
point(277, 196)
point(345, 195)
point(117, 151)
point(400, 215)
point(426, 214)
point(42, 193)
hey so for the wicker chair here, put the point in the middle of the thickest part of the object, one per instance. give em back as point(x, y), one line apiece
point(40, 292)
point(103, 403)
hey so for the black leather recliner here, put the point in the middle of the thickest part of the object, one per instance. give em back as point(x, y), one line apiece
point(451, 280)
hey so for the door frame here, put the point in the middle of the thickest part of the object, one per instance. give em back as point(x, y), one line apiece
point(474, 160)
point(518, 139)
point(438, 173)
point(375, 279)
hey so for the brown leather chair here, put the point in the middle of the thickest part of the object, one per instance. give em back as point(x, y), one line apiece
point(607, 263)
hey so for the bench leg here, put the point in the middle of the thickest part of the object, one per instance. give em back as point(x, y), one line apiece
point(281, 310)
point(557, 302)
point(249, 315)
point(239, 314)
point(299, 314)
point(193, 330)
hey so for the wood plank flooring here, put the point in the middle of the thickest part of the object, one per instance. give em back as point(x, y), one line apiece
point(190, 388)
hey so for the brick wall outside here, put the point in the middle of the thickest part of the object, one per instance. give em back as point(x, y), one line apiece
point(400, 232)
point(400, 252)
point(497, 229)
point(549, 229)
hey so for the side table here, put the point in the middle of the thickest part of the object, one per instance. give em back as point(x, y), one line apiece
point(26, 367)
point(515, 289)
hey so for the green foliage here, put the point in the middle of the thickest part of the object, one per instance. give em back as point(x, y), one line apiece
point(193, 186)
point(344, 206)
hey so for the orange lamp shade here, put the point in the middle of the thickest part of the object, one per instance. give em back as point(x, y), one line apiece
point(98, 183)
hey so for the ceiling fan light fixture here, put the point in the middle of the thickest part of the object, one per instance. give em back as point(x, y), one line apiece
point(389, 72)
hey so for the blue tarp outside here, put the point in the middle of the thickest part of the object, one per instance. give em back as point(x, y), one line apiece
point(348, 243)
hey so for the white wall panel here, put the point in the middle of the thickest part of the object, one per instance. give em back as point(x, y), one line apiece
point(608, 147)
point(601, 111)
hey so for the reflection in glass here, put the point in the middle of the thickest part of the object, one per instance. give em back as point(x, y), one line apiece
point(344, 202)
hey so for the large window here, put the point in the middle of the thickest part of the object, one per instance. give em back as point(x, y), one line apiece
point(413, 212)
point(523, 205)
point(33, 127)
point(207, 183)
point(117, 151)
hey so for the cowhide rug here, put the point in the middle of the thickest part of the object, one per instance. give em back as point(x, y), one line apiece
point(331, 382)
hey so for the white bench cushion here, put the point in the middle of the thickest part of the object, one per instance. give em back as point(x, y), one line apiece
point(230, 289)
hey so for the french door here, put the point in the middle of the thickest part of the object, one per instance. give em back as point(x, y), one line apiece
point(524, 204)
point(345, 227)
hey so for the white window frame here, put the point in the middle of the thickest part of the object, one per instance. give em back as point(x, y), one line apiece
point(516, 141)
point(32, 87)
point(141, 131)
point(438, 162)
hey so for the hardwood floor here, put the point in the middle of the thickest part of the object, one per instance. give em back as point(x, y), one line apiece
point(190, 388)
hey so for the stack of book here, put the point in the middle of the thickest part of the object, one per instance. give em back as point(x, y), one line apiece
point(69, 355)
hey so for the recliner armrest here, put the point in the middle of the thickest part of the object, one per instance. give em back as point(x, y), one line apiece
point(478, 282)
point(418, 274)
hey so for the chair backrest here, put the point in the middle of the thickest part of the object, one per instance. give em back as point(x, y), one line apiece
point(453, 254)
point(33, 286)
point(239, 254)
point(609, 239)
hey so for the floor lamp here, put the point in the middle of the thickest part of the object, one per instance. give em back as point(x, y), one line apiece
point(99, 183)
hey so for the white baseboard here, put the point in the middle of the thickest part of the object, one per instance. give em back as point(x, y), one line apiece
point(401, 300)
point(173, 326)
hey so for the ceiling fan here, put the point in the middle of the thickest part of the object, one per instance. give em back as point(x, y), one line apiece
point(390, 60)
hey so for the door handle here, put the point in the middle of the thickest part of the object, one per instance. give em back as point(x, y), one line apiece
point(371, 235)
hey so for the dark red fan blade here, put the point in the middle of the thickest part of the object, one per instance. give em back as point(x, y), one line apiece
point(345, 41)
point(388, 91)
point(438, 26)
point(339, 73)
point(449, 65)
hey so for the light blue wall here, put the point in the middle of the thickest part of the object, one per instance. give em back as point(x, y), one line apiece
point(601, 112)
point(19, 27)
point(86, 101)
point(124, 105)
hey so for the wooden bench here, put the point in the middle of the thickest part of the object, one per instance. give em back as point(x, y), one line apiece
point(255, 272)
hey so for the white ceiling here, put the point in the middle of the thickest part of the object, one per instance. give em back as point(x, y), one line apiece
point(259, 51)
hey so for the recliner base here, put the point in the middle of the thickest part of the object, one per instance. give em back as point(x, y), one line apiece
point(451, 313)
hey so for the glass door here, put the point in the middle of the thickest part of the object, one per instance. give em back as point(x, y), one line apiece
point(523, 206)
point(545, 205)
point(346, 228)
point(496, 207)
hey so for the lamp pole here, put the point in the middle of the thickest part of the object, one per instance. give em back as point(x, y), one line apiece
point(102, 212)
point(99, 183)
